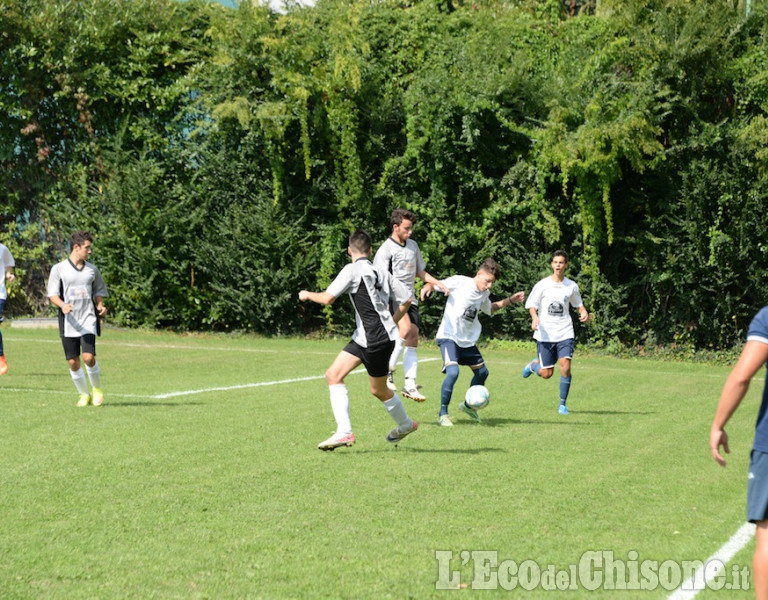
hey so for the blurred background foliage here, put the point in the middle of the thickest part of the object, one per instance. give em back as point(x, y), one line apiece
point(220, 156)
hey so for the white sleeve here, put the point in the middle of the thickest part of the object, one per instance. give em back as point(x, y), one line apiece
point(54, 282)
point(341, 283)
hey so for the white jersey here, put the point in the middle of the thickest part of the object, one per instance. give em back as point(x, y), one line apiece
point(6, 260)
point(78, 287)
point(460, 318)
point(552, 301)
point(370, 288)
point(404, 261)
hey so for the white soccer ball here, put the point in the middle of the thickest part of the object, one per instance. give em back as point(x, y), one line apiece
point(477, 397)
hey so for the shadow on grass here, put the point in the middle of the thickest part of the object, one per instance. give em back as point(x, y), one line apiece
point(431, 450)
point(502, 422)
point(614, 412)
point(144, 403)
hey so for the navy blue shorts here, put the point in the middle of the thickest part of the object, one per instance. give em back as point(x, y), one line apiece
point(551, 352)
point(375, 359)
point(453, 354)
point(72, 345)
point(757, 487)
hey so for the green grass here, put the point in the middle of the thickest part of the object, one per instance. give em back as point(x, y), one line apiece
point(223, 494)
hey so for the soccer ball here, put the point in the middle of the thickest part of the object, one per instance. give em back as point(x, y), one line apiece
point(477, 397)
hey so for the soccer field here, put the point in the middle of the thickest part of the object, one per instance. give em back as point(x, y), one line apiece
point(199, 477)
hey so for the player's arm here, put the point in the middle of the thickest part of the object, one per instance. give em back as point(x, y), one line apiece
point(752, 358)
point(318, 297)
point(583, 314)
point(504, 302)
point(534, 317)
point(100, 308)
point(432, 283)
point(401, 311)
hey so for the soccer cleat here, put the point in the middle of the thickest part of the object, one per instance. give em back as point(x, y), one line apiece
point(98, 397)
point(394, 436)
point(3, 365)
point(336, 440)
point(444, 421)
point(471, 412)
point(391, 381)
point(563, 410)
point(413, 393)
point(84, 400)
point(527, 370)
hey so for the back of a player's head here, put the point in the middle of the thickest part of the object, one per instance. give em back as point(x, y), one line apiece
point(491, 266)
point(361, 241)
point(401, 214)
point(561, 253)
point(78, 238)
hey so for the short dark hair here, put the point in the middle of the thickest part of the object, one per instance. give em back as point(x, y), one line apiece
point(361, 241)
point(401, 214)
point(492, 267)
point(79, 238)
point(562, 253)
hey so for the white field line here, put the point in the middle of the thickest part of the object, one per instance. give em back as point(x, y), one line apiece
point(699, 580)
point(207, 390)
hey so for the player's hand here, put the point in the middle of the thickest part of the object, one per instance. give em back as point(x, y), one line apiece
point(102, 310)
point(717, 438)
point(584, 317)
point(426, 291)
point(67, 307)
point(517, 297)
point(10, 276)
point(303, 295)
point(444, 288)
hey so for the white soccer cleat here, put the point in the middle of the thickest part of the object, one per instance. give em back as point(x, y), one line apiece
point(336, 440)
point(413, 393)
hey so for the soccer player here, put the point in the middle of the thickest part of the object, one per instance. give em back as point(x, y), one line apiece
point(77, 288)
point(549, 305)
point(460, 329)
point(6, 272)
point(401, 256)
point(753, 357)
point(370, 290)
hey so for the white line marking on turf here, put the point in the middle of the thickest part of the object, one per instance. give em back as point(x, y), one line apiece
point(694, 584)
point(257, 384)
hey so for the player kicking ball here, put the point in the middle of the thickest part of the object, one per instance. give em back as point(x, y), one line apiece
point(370, 289)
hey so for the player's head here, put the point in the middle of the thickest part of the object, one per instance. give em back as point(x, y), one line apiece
point(559, 263)
point(488, 273)
point(360, 242)
point(561, 254)
point(402, 221)
point(78, 238)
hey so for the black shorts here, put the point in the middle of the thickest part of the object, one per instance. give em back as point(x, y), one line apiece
point(375, 359)
point(72, 345)
point(413, 313)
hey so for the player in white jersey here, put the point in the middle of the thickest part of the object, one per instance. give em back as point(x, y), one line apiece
point(549, 304)
point(77, 288)
point(370, 290)
point(6, 272)
point(401, 256)
point(460, 329)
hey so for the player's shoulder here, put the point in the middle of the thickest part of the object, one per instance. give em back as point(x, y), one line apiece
point(758, 328)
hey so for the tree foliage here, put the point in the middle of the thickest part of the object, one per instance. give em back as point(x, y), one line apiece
point(220, 156)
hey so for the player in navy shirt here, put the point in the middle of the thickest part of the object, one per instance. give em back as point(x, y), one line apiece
point(753, 357)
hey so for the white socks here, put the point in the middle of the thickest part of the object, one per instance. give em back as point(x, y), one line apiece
point(94, 374)
point(396, 410)
point(340, 407)
point(399, 343)
point(410, 364)
point(81, 383)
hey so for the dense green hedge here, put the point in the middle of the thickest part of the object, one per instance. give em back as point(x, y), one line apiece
point(221, 156)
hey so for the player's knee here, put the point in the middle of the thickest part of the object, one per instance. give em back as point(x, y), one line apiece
point(451, 373)
point(546, 373)
point(480, 375)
